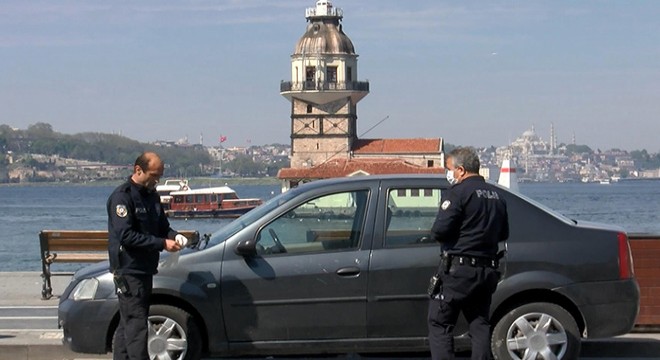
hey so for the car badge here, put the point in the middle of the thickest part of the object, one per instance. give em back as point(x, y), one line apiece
point(121, 211)
point(445, 204)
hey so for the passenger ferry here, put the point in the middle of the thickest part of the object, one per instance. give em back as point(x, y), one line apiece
point(165, 190)
point(216, 202)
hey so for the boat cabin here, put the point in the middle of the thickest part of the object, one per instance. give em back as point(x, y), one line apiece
point(170, 185)
point(214, 201)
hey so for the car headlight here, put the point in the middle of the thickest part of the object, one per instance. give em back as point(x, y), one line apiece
point(85, 290)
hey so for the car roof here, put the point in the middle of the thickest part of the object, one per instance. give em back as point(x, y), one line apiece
point(369, 178)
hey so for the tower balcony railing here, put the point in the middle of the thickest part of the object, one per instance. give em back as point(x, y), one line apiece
point(287, 86)
point(310, 12)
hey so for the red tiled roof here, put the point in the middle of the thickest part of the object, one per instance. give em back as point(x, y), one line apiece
point(397, 146)
point(343, 167)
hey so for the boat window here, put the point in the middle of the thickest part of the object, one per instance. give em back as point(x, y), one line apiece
point(329, 223)
point(214, 198)
point(200, 199)
point(178, 199)
point(189, 199)
point(409, 219)
point(231, 196)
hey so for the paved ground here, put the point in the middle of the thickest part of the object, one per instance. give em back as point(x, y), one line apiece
point(28, 328)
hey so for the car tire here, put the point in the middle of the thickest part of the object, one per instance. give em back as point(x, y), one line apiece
point(173, 334)
point(536, 331)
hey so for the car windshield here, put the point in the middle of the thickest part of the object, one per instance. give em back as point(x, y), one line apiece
point(240, 223)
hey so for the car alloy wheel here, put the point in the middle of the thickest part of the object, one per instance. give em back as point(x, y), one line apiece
point(172, 334)
point(536, 331)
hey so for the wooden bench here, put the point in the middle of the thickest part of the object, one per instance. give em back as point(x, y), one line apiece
point(76, 246)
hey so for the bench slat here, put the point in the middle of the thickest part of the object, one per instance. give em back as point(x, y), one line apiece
point(74, 234)
point(79, 257)
point(77, 245)
point(72, 247)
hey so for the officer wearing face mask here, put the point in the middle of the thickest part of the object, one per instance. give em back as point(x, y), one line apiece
point(471, 221)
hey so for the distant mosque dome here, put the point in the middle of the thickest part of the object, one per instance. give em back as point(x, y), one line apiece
point(529, 134)
point(324, 34)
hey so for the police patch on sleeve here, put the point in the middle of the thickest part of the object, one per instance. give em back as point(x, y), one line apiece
point(121, 210)
point(445, 204)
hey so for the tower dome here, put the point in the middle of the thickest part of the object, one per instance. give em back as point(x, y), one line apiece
point(324, 34)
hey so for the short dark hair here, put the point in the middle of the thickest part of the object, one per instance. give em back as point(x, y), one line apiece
point(467, 158)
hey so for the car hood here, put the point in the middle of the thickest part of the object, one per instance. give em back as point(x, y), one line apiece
point(167, 260)
point(94, 270)
point(187, 257)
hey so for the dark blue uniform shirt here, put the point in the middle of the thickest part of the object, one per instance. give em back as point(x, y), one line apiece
point(137, 229)
point(472, 219)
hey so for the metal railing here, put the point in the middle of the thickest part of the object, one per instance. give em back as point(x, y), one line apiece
point(287, 86)
point(309, 12)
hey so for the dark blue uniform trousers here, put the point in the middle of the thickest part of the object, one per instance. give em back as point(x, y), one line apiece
point(131, 340)
point(467, 289)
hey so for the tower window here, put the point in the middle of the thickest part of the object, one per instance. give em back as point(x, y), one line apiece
point(309, 108)
point(349, 74)
point(309, 73)
point(332, 74)
point(429, 163)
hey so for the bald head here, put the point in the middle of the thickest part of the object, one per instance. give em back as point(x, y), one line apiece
point(148, 169)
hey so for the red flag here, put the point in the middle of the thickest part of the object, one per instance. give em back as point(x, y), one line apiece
point(223, 138)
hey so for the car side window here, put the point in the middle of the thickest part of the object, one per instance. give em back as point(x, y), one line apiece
point(328, 223)
point(410, 216)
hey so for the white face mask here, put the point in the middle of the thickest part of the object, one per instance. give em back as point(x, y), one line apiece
point(450, 177)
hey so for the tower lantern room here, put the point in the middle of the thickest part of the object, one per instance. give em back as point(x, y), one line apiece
point(323, 90)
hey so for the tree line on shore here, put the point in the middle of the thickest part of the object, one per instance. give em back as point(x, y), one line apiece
point(111, 149)
point(182, 161)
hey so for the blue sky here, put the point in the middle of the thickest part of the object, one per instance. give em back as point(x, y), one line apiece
point(473, 72)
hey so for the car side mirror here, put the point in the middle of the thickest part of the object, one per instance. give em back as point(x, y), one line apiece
point(246, 248)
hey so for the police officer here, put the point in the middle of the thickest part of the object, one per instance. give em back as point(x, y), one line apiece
point(471, 221)
point(138, 232)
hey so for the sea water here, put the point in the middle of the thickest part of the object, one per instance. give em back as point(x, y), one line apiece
point(28, 209)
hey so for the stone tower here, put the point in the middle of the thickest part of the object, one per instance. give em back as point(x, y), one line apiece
point(323, 90)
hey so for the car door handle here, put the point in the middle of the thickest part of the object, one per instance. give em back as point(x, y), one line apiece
point(348, 271)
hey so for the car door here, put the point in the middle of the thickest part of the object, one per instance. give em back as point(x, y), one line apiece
point(404, 258)
point(308, 278)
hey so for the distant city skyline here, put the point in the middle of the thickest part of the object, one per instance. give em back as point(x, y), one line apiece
point(474, 73)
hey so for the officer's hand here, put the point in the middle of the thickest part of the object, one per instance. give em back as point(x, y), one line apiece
point(171, 245)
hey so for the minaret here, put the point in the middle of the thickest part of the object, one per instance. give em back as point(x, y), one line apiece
point(323, 90)
point(553, 140)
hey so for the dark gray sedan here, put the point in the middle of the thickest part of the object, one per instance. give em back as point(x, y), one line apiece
point(342, 265)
